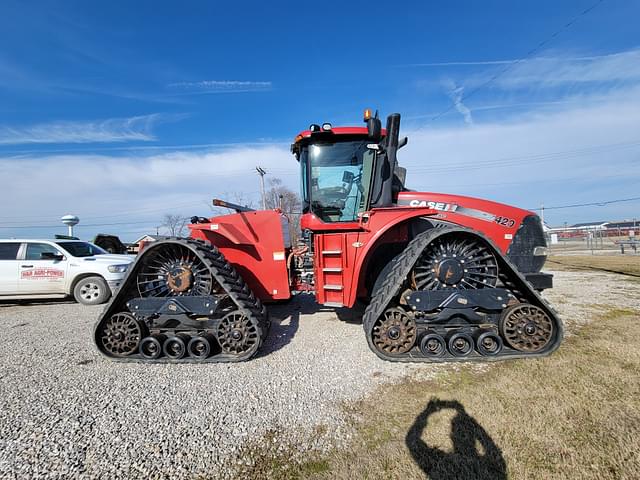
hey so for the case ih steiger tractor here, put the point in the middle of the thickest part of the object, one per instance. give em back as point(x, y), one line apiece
point(444, 277)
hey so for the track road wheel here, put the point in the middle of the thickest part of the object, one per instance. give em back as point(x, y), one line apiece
point(175, 347)
point(526, 328)
point(151, 347)
point(488, 343)
point(199, 348)
point(460, 344)
point(237, 333)
point(433, 345)
point(121, 335)
point(395, 332)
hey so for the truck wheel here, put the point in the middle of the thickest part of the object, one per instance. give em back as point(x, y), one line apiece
point(91, 291)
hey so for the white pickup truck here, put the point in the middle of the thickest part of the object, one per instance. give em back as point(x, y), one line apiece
point(58, 268)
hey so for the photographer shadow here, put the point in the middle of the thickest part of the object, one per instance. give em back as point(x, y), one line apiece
point(474, 454)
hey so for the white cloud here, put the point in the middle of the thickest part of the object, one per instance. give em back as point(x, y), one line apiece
point(559, 71)
point(219, 86)
point(456, 93)
point(135, 189)
point(577, 152)
point(105, 131)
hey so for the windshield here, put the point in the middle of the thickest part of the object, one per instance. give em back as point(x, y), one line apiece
point(336, 179)
point(82, 249)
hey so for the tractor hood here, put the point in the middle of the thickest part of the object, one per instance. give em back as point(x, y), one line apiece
point(110, 258)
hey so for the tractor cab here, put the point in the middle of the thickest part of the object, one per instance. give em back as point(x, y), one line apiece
point(345, 171)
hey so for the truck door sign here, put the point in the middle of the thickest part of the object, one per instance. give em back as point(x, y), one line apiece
point(441, 206)
point(42, 273)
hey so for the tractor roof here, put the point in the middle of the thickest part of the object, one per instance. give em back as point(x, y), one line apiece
point(324, 134)
point(336, 131)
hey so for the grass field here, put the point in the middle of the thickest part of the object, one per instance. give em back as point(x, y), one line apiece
point(575, 414)
point(627, 264)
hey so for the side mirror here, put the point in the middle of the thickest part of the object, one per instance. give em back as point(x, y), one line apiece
point(347, 177)
point(51, 256)
point(374, 129)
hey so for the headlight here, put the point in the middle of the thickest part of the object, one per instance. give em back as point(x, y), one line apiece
point(118, 268)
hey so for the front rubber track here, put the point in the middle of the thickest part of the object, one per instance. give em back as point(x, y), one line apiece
point(387, 291)
point(225, 275)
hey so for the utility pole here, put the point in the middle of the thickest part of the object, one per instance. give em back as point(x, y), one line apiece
point(262, 172)
point(542, 213)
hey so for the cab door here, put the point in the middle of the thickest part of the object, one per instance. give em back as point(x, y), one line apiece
point(9, 268)
point(43, 270)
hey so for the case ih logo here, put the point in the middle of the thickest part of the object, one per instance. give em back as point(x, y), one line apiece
point(443, 207)
point(42, 273)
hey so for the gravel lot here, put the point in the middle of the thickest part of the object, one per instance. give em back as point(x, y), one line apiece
point(67, 412)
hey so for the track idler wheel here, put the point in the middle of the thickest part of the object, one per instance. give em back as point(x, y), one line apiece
point(175, 347)
point(237, 333)
point(433, 345)
point(151, 347)
point(199, 348)
point(460, 344)
point(395, 332)
point(526, 328)
point(121, 335)
point(488, 343)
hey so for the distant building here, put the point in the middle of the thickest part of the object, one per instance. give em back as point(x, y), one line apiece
point(146, 238)
point(607, 229)
point(580, 227)
point(142, 241)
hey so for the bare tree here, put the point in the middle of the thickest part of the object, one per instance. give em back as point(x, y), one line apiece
point(280, 196)
point(277, 196)
point(175, 224)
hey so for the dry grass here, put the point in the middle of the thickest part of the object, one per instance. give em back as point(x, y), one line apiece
point(627, 264)
point(575, 414)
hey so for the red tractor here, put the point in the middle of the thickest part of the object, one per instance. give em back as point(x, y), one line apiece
point(444, 277)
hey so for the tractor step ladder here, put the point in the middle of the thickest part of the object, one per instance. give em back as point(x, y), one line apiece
point(332, 269)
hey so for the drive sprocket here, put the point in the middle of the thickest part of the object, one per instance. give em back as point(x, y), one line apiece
point(174, 271)
point(455, 262)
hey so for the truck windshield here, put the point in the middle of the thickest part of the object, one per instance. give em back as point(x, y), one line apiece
point(81, 249)
point(336, 179)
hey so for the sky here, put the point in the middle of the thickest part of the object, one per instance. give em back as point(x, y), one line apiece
point(121, 112)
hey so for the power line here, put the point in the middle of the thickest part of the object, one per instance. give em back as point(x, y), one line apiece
point(593, 204)
point(516, 160)
point(628, 175)
point(510, 66)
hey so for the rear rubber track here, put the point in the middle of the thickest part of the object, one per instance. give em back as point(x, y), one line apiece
point(223, 273)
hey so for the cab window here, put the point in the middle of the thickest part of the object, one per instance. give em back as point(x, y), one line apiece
point(339, 176)
point(9, 250)
point(35, 250)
